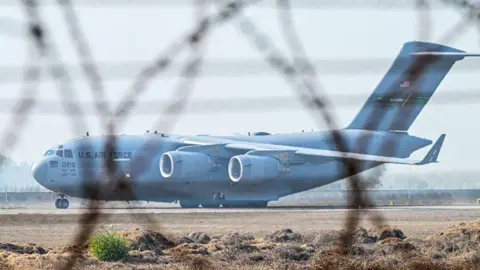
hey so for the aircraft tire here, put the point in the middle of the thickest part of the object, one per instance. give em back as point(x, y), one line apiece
point(245, 204)
point(65, 203)
point(57, 203)
point(188, 204)
point(62, 203)
point(211, 205)
point(259, 204)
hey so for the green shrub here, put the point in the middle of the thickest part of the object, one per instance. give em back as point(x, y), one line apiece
point(107, 246)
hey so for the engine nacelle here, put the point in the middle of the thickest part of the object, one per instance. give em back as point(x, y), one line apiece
point(179, 164)
point(248, 168)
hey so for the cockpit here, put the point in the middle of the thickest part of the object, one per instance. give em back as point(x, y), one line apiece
point(59, 151)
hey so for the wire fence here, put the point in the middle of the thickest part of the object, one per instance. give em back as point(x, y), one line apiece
point(299, 73)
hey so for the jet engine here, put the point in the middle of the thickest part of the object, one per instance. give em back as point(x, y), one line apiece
point(246, 168)
point(179, 164)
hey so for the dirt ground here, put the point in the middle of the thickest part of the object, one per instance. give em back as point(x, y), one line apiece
point(50, 230)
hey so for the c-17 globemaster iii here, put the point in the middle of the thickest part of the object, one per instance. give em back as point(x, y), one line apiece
point(250, 171)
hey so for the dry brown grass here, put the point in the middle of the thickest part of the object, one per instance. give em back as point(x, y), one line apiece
point(456, 247)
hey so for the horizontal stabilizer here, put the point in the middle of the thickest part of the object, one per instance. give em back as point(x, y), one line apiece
point(432, 155)
point(462, 54)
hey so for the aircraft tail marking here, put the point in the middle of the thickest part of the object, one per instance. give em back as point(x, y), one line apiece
point(407, 86)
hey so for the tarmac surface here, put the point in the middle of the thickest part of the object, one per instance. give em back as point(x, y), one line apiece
point(171, 210)
point(48, 227)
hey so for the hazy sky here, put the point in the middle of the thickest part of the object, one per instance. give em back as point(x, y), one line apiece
point(122, 33)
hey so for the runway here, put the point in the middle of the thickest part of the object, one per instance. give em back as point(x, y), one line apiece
point(178, 210)
point(49, 227)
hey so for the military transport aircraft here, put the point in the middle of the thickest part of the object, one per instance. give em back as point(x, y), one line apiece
point(250, 171)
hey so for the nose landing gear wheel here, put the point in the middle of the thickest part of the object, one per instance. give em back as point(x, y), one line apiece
point(62, 203)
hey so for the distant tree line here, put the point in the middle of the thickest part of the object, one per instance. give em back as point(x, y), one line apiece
point(17, 177)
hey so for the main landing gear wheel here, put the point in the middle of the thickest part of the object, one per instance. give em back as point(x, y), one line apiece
point(189, 204)
point(213, 204)
point(245, 204)
point(217, 200)
point(62, 203)
point(259, 204)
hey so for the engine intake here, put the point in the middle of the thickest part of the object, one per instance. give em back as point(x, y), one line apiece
point(179, 164)
point(253, 168)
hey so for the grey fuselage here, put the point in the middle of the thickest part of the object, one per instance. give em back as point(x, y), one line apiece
point(83, 163)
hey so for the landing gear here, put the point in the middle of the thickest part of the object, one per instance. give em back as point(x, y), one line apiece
point(189, 204)
point(62, 203)
point(259, 204)
point(218, 198)
point(245, 204)
point(211, 204)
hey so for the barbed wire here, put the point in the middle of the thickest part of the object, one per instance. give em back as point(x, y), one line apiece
point(299, 73)
point(87, 62)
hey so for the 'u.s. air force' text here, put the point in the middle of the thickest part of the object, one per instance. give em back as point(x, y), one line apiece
point(110, 155)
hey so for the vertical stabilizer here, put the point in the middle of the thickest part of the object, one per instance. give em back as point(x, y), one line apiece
point(407, 86)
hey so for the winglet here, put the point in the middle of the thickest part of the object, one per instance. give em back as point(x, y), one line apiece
point(432, 155)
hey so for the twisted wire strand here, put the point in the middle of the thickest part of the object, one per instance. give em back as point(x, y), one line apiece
point(87, 62)
point(24, 107)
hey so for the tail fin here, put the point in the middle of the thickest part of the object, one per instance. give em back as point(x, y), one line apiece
point(407, 86)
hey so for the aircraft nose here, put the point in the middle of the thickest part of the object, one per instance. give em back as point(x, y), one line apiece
point(39, 172)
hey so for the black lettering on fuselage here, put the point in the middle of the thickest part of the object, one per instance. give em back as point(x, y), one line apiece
point(110, 155)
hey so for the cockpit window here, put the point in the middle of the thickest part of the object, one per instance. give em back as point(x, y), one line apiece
point(49, 153)
point(60, 153)
point(68, 153)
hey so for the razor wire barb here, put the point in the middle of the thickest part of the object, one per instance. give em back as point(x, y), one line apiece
point(300, 75)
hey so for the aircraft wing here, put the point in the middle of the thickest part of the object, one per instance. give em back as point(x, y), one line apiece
point(254, 148)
